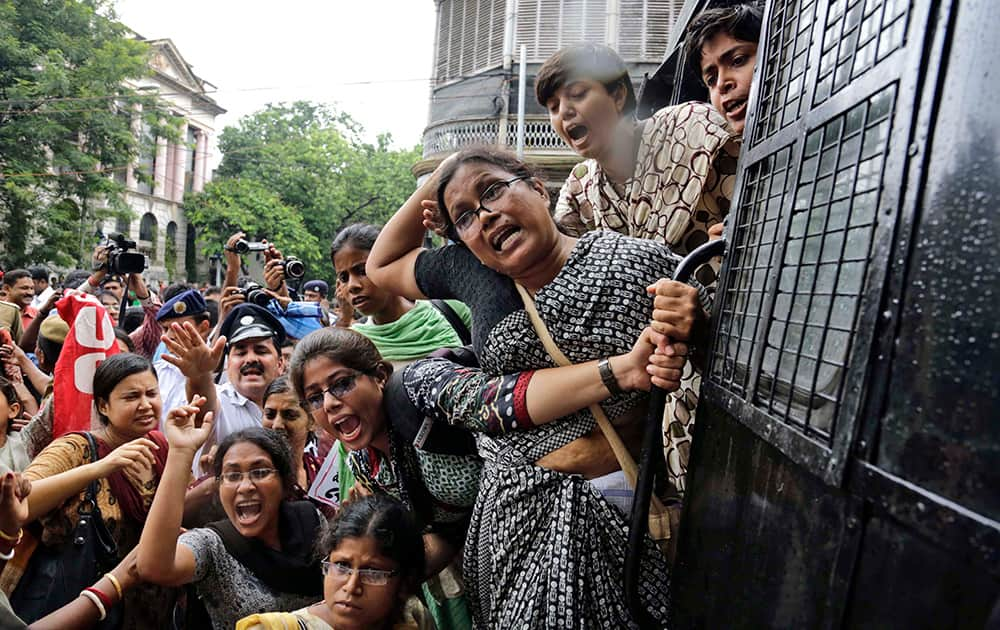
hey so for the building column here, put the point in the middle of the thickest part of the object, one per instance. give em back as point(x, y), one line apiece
point(180, 159)
point(160, 171)
point(130, 180)
point(201, 146)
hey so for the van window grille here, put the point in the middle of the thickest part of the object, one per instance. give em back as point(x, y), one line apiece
point(820, 281)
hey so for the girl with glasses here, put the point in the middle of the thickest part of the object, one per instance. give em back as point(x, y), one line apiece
point(373, 564)
point(260, 556)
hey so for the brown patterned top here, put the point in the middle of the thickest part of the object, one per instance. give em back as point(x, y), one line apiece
point(685, 171)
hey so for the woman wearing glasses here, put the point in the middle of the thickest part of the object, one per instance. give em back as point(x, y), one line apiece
point(374, 562)
point(260, 557)
point(544, 542)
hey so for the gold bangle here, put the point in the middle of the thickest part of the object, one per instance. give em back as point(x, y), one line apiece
point(114, 582)
point(16, 539)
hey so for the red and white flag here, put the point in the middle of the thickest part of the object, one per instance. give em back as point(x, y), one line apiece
point(91, 339)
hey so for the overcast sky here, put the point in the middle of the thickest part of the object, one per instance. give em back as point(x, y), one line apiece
point(371, 58)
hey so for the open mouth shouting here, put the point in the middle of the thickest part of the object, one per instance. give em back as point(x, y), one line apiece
point(504, 237)
point(248, 512)
point(359, 301)
point(735, 108)
point(349, 427)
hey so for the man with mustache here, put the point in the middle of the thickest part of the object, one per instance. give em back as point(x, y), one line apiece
point(251, 338)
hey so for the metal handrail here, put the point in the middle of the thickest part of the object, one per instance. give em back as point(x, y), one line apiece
point(651, 457)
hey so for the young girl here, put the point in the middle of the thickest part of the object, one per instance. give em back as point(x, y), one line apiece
point(373, 563)
point(13, 453)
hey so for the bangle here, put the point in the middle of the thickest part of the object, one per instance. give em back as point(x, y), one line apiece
point(97, 602)
point(9, 555)
point(15, 539)
point(101, 595)
point(608, 377)
point(114, 582)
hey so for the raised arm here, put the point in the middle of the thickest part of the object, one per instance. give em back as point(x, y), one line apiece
point(161, 560)
point(455, 394)
point(196, 360)
point(147, 336)
point(393, 257)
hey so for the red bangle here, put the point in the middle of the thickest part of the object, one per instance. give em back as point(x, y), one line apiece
point(101, 596)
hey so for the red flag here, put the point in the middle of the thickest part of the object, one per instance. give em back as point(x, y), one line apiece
point(91, 339)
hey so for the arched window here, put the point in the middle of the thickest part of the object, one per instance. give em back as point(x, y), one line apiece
point(148, 227)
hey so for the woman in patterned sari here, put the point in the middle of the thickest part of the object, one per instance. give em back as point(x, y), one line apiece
point(668, 178)
point(545, 547)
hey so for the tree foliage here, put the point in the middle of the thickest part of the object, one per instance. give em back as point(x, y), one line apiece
point(66, 118)
point(313, 160)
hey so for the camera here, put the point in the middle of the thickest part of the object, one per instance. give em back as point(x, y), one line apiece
point(120, 259)
point(294, 268)
point(244, 246)
point(253, 293)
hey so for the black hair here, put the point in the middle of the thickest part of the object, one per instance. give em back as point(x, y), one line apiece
point(132, 318)
point(174, 290)
point(51, 350)
point(212, 308)
point(585, 60)
point(483, 154)
point(280, 385)
point(8, 391)
point(113, 371)
point(359, 236)
point(266, 440)
point(123, 337)
point(75, 278)
point(393, 527)
point(741, 22)
point(343, 345)
point(211, 289)
point(39, 273)
point(11, 277)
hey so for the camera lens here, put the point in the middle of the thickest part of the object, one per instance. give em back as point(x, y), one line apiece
point(294, 268)
point(241, 246)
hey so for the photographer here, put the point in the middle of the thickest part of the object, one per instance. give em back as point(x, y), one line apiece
point(147, 336)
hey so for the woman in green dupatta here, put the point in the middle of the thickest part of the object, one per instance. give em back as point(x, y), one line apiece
point(402, 331)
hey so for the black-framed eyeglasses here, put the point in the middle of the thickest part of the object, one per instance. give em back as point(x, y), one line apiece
point(338, 389)
point(343, 571)
point(236, 477)
point(466, 222)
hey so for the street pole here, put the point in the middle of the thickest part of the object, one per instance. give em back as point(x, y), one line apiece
point(521, 80)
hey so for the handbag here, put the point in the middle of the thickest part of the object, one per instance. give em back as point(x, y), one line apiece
point(662, 520)
point(56, 574)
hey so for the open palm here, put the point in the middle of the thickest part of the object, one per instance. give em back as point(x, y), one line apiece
point(180, 429)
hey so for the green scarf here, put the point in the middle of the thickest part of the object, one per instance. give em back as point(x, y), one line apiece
point(421, 331)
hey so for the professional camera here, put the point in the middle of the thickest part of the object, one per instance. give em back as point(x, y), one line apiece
point(294, 268)
point(253, 293)
point(243, 246)
point(120, 259)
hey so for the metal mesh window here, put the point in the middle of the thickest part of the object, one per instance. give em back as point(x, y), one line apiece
point(755, 234)
point(858, 34)
point(787, 59)
point(826, 256)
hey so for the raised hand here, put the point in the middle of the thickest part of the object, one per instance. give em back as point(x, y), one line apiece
point(189, 352)
point(231, 297)
point(433, 219)
point(180, 429)
point(136, 455)
point(14, 491)
point(274, 276)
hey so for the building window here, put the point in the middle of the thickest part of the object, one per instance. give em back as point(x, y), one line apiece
point(469, 37)
point(191, 145)
point(148, 227)
point(170, 251)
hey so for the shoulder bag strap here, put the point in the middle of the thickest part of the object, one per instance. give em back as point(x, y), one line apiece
point(91, 496)
point(456, 322)
point(625, 459)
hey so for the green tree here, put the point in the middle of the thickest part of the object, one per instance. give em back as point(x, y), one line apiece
point(66, 118)
point(313, 159)
point(228, 205)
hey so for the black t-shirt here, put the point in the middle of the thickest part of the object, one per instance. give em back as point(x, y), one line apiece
point(453, 272)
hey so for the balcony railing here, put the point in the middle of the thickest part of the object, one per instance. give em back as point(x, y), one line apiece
point(451, 136)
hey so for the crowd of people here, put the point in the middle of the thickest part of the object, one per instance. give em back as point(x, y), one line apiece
point(446, 440)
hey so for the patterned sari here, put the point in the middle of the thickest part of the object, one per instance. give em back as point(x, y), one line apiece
point(546, 549)
point(685, 171)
